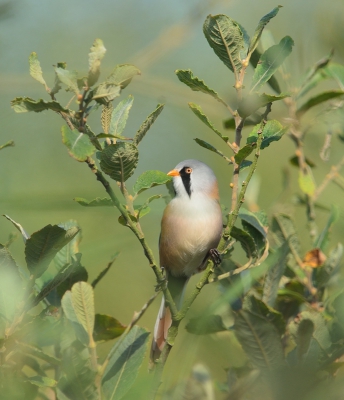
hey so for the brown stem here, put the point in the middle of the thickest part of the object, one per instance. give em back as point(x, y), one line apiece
point(147, 251)
point(297, 137)
point(329, 177)
point(239, 122)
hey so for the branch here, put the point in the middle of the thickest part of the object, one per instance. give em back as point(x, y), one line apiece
point(235, 212)
point(239, 122)
point(147, 251)
point(329, 177)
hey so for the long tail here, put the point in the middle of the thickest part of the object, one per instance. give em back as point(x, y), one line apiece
point(177, 286)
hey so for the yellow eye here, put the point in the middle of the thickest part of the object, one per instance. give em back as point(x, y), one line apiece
point(188, 170)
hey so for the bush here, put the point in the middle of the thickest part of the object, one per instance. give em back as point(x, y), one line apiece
point(280, 304)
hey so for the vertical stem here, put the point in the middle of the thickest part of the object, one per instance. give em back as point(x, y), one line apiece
point(239, 122)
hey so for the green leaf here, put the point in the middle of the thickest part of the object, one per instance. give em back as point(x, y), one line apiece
point(44, 244)
point(38, 353)
point(259, 338)
point(283, 231)
point(206, 325)
point(143, 210)
point(78, 274)
point(125, 360)
point(322, 239)
point(245, 164)
point(199, 113)
point(42, 381)
point(246, 39)
point(324, 273)
point(254, 101)
point(122, 221)
point(261, 25)
point(19, 227)
point(304, 335)
point(69, 78)
point(319, 344)
point(146, 125)
point(318, 99)
point(119, 160)
point(254, 220)
point(317, 73)
point(295, 162)
point(119, 78)
point(78, 144)
point(150, 179)
point(244, 152)
point(26, 104)
point(251, 303)
point(119, 116)
point(36, 70)
point(122, 75)
point(306, 181)
point(208, 146)
point(336, 72)
point(66, 255)
point(196, 84)
point(246, 241)
point(83, 304)
point(253, 225)
point(95, 56)
point(97, 202)
point(226, 39)
point(273, 131)
point(272, 82)
point(70, 312)
point(106, 92)
point(230, 123)
point(78, 379)
point(7, 144)
point(63, 274)
point(106, 117)
point(57, 84)
point(273, 277)
point(107, 328)
point(270, 61)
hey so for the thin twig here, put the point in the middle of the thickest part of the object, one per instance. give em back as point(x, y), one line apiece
point(235, 182)
point(147, 251)
point(329, 177)
point(104, 271)
point(241, 198)
point(137, 315)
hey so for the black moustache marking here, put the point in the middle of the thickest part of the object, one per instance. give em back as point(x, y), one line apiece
point(186, 178)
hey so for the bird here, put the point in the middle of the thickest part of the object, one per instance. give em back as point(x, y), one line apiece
point(191, 229)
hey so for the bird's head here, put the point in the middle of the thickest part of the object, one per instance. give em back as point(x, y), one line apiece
point(194, 178)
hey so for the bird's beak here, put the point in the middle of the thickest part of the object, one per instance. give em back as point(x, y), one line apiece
point(174, 172)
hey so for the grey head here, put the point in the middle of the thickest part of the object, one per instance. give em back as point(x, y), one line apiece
point(192, 178)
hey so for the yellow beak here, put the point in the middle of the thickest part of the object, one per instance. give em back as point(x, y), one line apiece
point(174, 172)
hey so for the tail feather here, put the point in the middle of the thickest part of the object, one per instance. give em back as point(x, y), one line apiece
point(164, 319)
point(162, 325)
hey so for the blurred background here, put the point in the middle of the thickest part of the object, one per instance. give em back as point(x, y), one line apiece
point(38, 179)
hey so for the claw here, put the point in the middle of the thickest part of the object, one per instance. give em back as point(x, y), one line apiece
point(215, 256)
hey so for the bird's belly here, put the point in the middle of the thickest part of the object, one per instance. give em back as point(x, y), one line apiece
point(186, 243)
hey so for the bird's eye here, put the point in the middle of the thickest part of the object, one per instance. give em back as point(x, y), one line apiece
point(188, 170)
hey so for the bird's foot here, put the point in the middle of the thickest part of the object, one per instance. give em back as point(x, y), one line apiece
point(215, 256)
